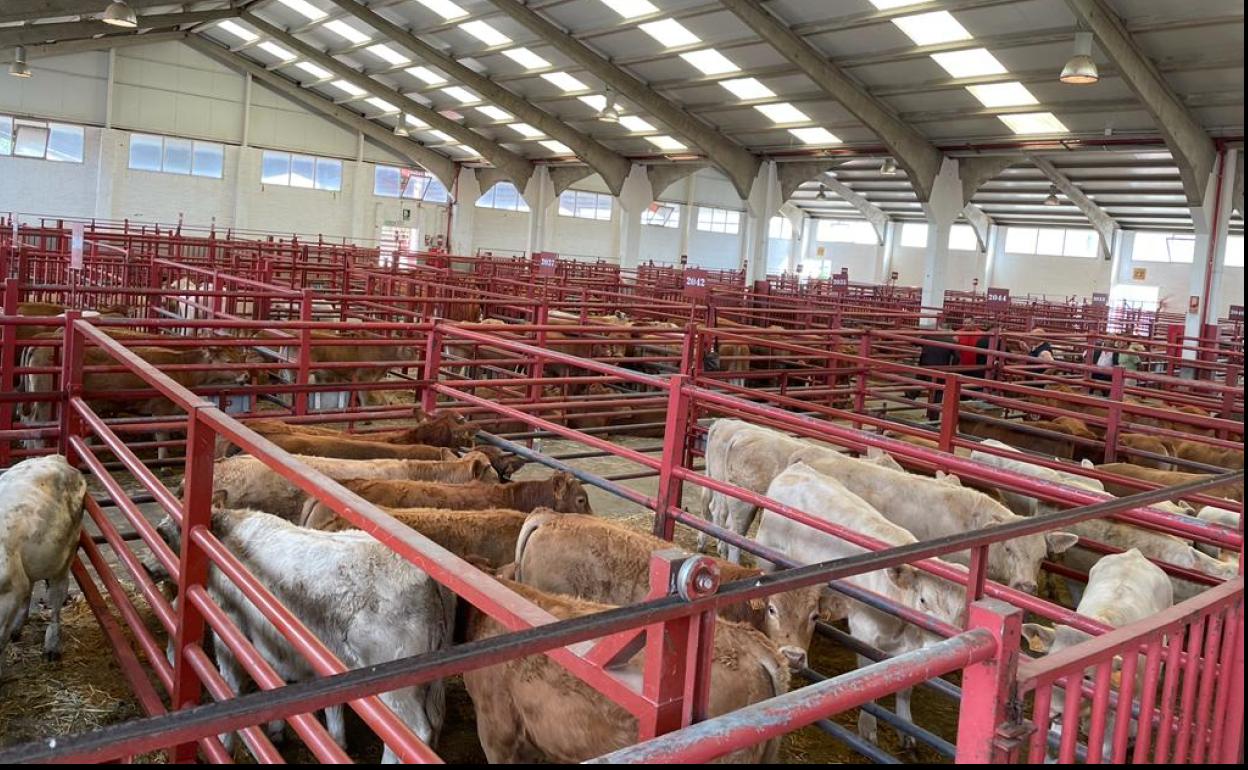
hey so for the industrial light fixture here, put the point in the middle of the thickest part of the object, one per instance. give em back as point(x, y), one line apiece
point(610, 112)
point(400, 128)
point(19, 68)
point(119, 14)
point(889, 167)
point(1081, 70)
point(1052, 199)
point(823, 193)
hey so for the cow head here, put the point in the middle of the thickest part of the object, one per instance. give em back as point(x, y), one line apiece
point(1017, 562)
point(569, 494)
point(790, 618)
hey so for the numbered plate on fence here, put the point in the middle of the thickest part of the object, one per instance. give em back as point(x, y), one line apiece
point(998, 297)
point(547, 261)
point(697, 284)
point(1237, 313)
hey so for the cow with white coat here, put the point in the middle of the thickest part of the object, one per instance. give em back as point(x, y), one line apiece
point(366, 604)
point(1122, 589)
point(40, 518)
point(823, 497)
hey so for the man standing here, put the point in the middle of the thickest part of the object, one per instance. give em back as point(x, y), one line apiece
point(933, 354)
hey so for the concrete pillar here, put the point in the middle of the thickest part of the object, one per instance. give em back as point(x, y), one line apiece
point(687, 215)
point(464, 212)
point(361, 197)
point(540, 196)
point(1211, 223)
point(1122, 259)
point(764, 203)
point(635, 196)
point(892, 234)
point(942, 210)
point(994, 252)
point(105, 171)
point(806, 242)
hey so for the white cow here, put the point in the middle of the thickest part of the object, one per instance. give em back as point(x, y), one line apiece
point(1225, 517)
point(1019, 502)
point(1122, 589)
point(823, 497)
point(366, 603)
point(40, 518)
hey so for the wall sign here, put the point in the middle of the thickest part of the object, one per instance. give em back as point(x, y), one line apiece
point(697, 284)
point(546, 261)
point(1237, 313)
point(840, 282)
point(1100, 299)
point(1139, 274)
point(998, 297)
point(76, 237)
point(1193, 304)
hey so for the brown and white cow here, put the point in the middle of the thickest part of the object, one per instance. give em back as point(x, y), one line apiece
point(533, 710)
point(560, 492)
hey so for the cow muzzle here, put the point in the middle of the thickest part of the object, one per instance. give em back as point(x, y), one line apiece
point(1026, 586)
point(796, 657)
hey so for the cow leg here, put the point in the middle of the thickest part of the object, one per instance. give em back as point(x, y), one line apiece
point(58, 590)
point(233, 675)
point(740, 516)
point(903, 710)
point(336, 725)
point(868, 728)
point(162, 453)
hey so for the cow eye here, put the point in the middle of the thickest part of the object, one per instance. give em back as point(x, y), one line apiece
point(771, 610)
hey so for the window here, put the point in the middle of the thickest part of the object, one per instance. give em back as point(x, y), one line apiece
point(504, 196)
point(56, 142)
point(1235, 251)
point(1164, 247)
point(718, 220)
point(845, 231)
point(420, 185)
point(306, 171)
point(780, 228)
point(1135, 296)
point(661, 215)
point(962, 238)
point(585, 205)
point(914, 235)
point(1051, 241)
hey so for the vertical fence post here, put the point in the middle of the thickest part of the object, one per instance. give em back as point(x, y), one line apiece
point(990, 725)
point(1232, 749)
point(949, 411)
point(304, 373)
point(8, 362)
point(538, 367)
point(433, 363)
point(860, 386)
point(72, 354)
point(192, 566)
point(1113, 424)
point(672, 656)
point(675, 443)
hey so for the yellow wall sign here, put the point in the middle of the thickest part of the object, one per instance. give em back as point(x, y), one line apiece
point(1139, 273)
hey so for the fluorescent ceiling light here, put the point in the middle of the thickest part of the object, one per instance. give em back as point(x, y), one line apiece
point(416, 122)
point(383, 51)
point(269, 46)
point(381, 104)
point(443, 136)
point(564, 81)
point(426, 74)
point(461, 95)
point(816, 135)
point(348, 87)
point(665, 142)
point(556, 147)
point(635, 123)
point(315, 70)
point(494, 113)
point(782, 113)
point(748, 88)
point(525, 130)
point(526, 58)
point(976, 62)
point(932, 28)
point(468, 151)
point(1034, 123)
point(710, 61)
point(885, 5)
point(444, 8)
point(1002, 94)
point(238, 31)
point(485, 33)
point(670, 33)
point(346, 31)
point(597, 101)
point(304, 8)
point(631, 8)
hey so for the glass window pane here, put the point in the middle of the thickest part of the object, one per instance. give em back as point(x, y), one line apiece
point(486, 201)
point(65, 143)
point(435, 192)
point(1020, 240)
point(1235, 251)
point(505, 195)
point(31, 140)
point(567, 203)
point(275, 168)
point(1182, 249)
point(386, 181)
point(177, 156)
point(6, 135)
point(586, 202)
point(209, 160)
point(302, 170)
point(416, 185)
point(328, 174)
point(914, 235)
point(1050, 241)
point(1082, 243)
point(962, 238)
point(146, 152)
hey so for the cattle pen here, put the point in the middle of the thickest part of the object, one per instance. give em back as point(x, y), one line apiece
point(537, 366)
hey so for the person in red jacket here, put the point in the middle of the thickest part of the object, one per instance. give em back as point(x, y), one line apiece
point(968, 336)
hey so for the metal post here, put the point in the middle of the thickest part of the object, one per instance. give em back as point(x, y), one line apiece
point(675, 441)
point(949, 411)
point(990, 725)
point(304, 372)
point(860, 387)
point(433, 363)
point(670, 674)
point(8, 362)
point(1113, 424)
point(72, 353)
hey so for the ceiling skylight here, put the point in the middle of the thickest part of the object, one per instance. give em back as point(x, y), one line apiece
point(782, 113)
point(631, 8)
point(665, 142)
point(345, 30)
point(885, 5)
point(525, 130)
point(1002, 94)
point(976, 62)
point(416, 122)
point(304, 8)
point(932, 28)
point(269, 46)
point(383, 51)
point(315, 70)
point(564, 81)
point(238, 31)
point(494, 113)
point(597, 101)
point(443, 136)
point(526, 58)
point(1034, 123)
point(635, 123)
point(710, 61)
point(348, 87)
point(670, 33)
point(818, 135)
point(461, 94)
point(485, 33)
point(556, 147)
point(444, 8)
point(426, 74)
point(748, 88)
point(381, 104)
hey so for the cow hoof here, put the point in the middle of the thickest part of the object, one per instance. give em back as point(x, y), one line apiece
point(16, 635)
point(51, 656)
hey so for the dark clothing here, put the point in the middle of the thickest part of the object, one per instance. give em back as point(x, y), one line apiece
point(1041, 348)
point(934, 355)
point(1101, 375)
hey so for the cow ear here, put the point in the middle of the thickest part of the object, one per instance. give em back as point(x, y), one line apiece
point(1039, 638)
point(948, 478)
point(903, 575)
point(220, 498)
point(832, 606)
point(560, 481)
point(1060, 542)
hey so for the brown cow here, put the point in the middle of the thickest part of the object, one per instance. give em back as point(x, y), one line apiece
point(246, 482)
point(1165, 479)
point(354, 449)
point(599, 560)
point(362, 346)
point(1018, 437)
point(533, 709)
point(1231, 459)
point(486, 537)
point(1144, 443)
point(560, 492)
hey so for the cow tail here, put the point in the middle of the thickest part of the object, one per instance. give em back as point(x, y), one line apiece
point(531, 525)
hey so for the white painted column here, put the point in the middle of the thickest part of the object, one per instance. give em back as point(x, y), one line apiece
point(994, 252)
point(686, 223)
point(805, 243)
point(464, 213)
point(112, 82)
point(105, 171)
point(635, 196)
point(763, 203)
point(1211, 223)
point(942, 210)
point(892, 232)
point(242, 156)
point(539, 194)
